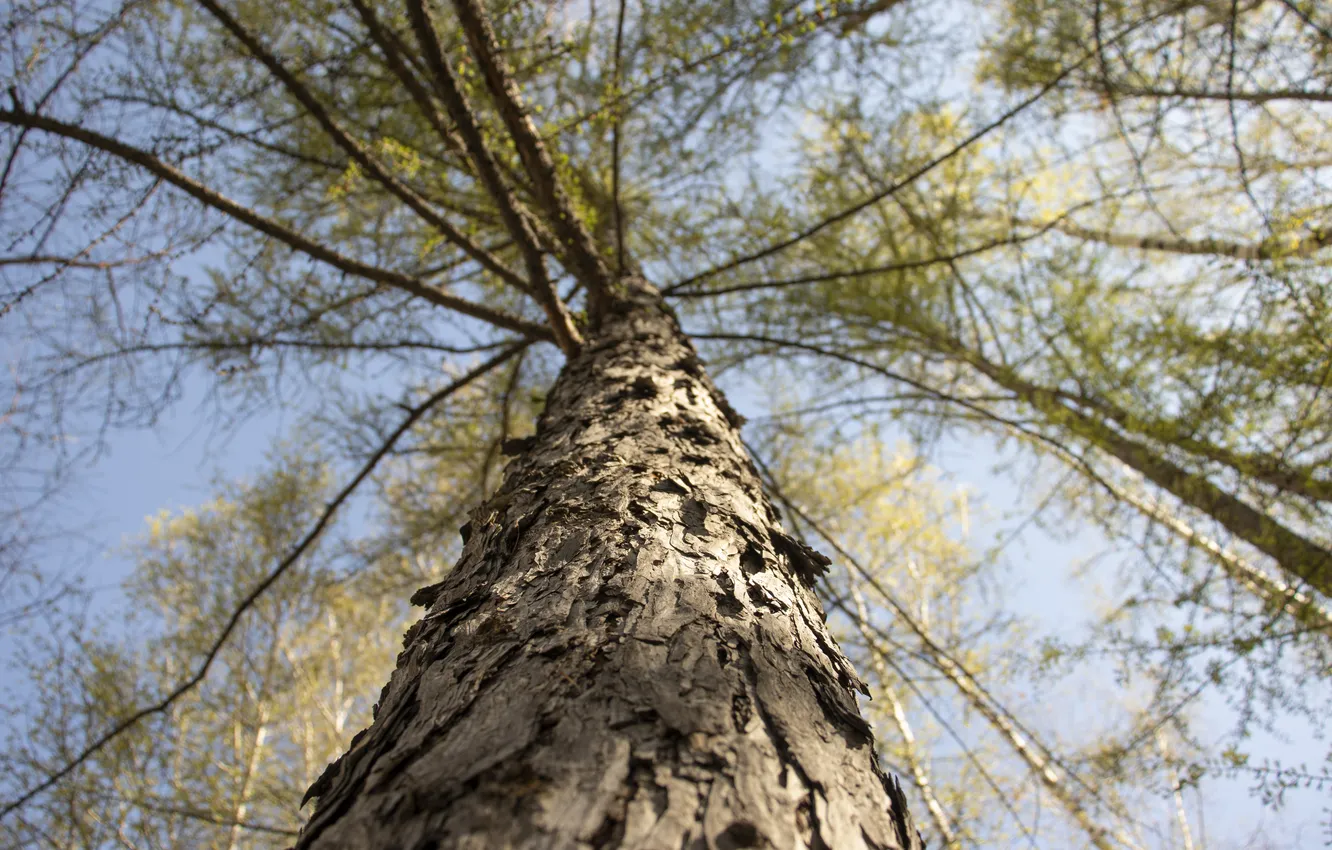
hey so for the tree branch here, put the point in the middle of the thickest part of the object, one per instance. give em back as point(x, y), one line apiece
point(392, 51)
point(1272, 248)
point(579, 252)
point(1271, 590)
point(1323, 31)
point(849, 274)
point(1254, 97)
point(1274, 472)
point(355, 150)
point(849, 359)
point(1298, 555)
point(272, 228)
point(516, 218)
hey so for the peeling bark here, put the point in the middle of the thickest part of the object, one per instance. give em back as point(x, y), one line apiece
point(628, 653)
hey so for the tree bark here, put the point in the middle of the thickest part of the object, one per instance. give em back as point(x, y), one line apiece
point(628, 653)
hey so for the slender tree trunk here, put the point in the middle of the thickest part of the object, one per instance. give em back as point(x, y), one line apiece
point(1299, 556)
point(1270, 589)
point(628, 653)
point(919, 772)
point(1177, 789)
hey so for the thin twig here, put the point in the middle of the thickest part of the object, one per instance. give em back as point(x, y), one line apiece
point(849, 274)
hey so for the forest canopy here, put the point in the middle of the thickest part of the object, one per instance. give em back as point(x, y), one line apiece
point(1027, 305)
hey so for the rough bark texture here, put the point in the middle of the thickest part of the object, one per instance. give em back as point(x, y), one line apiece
point(627, 655)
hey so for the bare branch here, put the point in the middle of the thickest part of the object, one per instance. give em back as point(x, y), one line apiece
point(925, 389)
point(1254, 97)
point(162, 807)
point(1272, 248)
point(1274, 471)
point(850, 274)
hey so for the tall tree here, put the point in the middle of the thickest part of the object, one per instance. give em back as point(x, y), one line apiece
point(629, 646)
point(328, 198)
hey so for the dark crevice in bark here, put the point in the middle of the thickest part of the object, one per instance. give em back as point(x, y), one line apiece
point(628, 653)
point(807, 817)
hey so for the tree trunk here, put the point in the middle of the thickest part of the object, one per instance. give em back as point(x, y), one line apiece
point(628, 653)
